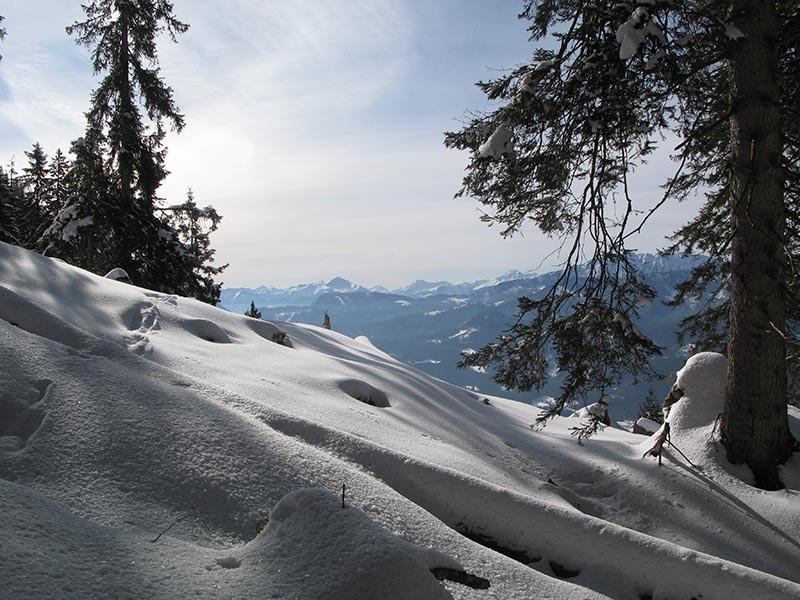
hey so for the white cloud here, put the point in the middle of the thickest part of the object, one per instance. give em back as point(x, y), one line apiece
point(315, 128)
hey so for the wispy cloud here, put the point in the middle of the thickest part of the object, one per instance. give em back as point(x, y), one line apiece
point(314, 126)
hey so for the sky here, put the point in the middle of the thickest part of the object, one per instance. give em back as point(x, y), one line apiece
point(314, 127)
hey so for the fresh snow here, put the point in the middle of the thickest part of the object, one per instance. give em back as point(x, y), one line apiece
point(647, 425)
point(499, 143)
point(117, 274)
point(128, 416)
point(632, 33)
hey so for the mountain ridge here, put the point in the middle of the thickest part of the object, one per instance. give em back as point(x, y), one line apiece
point(304, 294)
point(433, 324)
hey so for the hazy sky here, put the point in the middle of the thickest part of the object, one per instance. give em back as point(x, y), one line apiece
point(313, 126)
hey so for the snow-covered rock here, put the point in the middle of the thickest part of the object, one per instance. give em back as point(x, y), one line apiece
point(645, 426)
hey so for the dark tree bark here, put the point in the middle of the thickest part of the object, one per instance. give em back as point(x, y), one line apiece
point(126, 124)
point(755, 428)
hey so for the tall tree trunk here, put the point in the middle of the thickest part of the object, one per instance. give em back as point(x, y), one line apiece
point(755, 427)
point(125, 229)
point(125, 153)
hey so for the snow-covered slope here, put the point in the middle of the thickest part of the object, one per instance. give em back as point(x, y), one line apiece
point(124, 412)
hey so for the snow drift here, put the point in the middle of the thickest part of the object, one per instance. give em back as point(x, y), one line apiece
point(128, 416)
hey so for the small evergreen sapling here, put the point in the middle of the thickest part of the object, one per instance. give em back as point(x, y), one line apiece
point(650, 408)
point(253, 311)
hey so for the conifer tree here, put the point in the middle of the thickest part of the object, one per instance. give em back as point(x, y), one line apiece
point(79, 234)
point(59, 168)
point(192, 227)
point(253, 311)
point(128, 119)
point(37, 175)
point(17, 213)
point(612, 81)
point(122, 35)
point(650, 408)
point(40, 209)
point(8, 210)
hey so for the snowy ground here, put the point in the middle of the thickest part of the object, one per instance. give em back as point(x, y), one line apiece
point(124, 411)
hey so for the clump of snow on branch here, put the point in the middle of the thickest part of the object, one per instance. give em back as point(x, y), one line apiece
point(733, 32)
point(632, 33)
point(499, 143)
point(67, 223)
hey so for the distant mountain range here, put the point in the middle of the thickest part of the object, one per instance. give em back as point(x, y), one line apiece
point(238, 299)
point(431, 324)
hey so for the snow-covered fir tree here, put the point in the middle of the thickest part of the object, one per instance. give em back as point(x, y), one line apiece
point(81, 231)
point(126, 124)
point(192, 225)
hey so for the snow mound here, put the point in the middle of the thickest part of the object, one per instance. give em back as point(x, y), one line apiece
point(265, 329)
point(316, 549)
point(207, 330)
point(593, 411)
point(645, 425)
point(702, 380)
point(364, 392)
point(118, 274)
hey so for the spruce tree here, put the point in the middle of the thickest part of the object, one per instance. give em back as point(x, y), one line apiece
point(8, 210)
point(59, 168)
point(609, 81)
point(38, 191)
point(130, 112)
point(122, 35)
point(129, 108)
point(18, 214)
point(253, 311)
point(650, 408)
point(81, 232)
point(192, 227)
